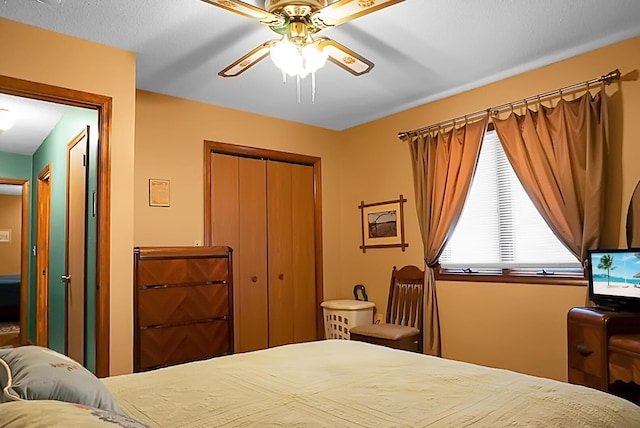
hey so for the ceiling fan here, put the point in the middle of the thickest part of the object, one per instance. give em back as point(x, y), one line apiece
point(297, 52)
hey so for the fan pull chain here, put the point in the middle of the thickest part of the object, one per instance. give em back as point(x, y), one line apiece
point(284, 78)
point(298, 87)
point(313, 87)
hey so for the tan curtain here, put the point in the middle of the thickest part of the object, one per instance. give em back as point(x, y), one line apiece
point(559, 156)
point(443, 165)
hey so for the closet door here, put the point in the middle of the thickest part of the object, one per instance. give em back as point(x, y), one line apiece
point(265, 211)
point(225, 226)
point(290, 229)
point(252, 256)
point(305, 306)
point(238, 206)
point(279, 221)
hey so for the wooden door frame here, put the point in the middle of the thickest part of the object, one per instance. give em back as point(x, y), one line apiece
point(103, 104)
point(42, 292)
point(254, 152)
point(24, 253)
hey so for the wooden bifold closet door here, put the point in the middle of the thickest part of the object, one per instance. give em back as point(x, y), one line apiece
point(265, 210)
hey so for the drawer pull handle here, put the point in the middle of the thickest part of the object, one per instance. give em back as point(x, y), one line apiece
point(584, 350)
point(281, 276)
point(254, 279)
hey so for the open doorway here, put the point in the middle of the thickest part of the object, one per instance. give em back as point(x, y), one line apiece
point(97, 300)
point(14, 215)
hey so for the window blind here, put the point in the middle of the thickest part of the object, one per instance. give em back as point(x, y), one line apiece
point(499, 227)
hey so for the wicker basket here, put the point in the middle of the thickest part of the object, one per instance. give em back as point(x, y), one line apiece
point(341, 315)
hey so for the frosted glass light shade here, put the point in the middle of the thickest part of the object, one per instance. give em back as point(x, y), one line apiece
point(297, 60)
point(6, 120)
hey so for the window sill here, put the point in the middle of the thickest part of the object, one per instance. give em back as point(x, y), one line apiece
point(521, 278)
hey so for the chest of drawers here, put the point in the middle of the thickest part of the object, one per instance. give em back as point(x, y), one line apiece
point(183, 308)
point(589, 332)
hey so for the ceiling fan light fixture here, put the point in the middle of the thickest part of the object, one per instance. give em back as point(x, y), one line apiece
point(297, 59)
point(314, 57)
point(7, 120)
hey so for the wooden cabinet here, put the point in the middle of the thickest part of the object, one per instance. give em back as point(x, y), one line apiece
point(183, 305)
point(266, 211)
point(589, 331)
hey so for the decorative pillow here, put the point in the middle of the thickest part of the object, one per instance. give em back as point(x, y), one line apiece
point(47, 413)
point(37, 373)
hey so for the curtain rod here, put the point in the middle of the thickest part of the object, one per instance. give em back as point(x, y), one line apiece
point(607, 79)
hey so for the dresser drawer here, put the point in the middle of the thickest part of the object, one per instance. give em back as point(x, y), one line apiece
point(181, 271)
point(182, 304)
point(587, 361)
point(165, 346)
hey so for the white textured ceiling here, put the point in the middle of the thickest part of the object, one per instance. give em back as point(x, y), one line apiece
point(423, 50)
point(10, 189)
point(33, 121)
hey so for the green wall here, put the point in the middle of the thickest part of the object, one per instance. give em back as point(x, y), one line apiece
point(53, 151)
point(15, 166)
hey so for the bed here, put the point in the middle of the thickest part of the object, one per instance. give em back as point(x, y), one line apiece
point(340, 383)
point(9, 297)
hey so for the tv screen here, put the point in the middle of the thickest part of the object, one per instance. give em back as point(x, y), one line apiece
point(614, 278)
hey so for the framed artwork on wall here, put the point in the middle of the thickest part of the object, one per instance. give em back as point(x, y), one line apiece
point(383, 224)
point(159, 193)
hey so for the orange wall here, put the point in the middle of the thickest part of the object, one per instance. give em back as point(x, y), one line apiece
point(170, 134)
point(514, 326)
point(10, 218)
point(55, 59)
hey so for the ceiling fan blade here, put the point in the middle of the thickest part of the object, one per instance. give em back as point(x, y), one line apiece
point(247, 61)
point(345, 57)
point(345, 10)
point(248, 10)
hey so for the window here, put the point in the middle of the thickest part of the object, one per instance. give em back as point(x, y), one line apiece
point(500, 231)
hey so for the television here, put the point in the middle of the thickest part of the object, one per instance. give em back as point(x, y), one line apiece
point(614, 279)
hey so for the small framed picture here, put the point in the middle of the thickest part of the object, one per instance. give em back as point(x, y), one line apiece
point(383, 224)
point(5, 235)
point(159, 193)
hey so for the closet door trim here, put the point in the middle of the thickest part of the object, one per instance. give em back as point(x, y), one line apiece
point(295, 158)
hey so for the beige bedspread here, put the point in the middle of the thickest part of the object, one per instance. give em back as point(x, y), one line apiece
point(340, 383)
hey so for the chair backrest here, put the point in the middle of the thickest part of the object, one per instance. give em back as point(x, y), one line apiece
point(405, 297)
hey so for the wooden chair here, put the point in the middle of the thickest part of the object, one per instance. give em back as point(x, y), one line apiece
point(403, 327)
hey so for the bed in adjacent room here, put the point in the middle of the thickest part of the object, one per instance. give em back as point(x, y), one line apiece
point(340, 383)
